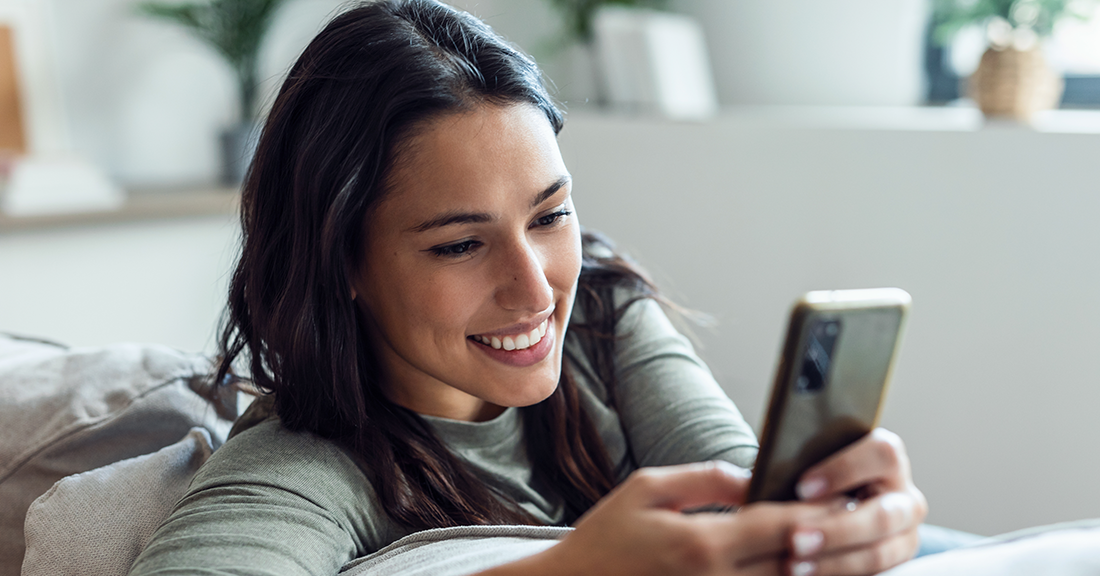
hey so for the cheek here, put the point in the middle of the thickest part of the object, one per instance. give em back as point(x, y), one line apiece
point(415, 307)
point(437, 307)
point(564, 264)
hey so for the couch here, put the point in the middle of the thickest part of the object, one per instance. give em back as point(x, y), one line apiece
point(98, 444)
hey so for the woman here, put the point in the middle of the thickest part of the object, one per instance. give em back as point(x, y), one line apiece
point(442, 347)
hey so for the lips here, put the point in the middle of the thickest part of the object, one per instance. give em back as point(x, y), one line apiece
point(535, 352)
point(510, 342)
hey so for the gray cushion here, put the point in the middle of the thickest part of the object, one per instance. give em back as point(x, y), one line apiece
point(97, 522)
point(66, 411)
point(455, 551)
point(1069, 549)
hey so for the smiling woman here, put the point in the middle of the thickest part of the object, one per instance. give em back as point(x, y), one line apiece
point(469, 269)
point(440, 344)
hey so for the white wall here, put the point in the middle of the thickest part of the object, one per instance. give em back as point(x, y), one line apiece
point(159, 281)
point(841, 52)
point(145, 100)
point(994, 232)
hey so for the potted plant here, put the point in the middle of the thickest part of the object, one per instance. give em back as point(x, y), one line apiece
point(643, 60)
point(1012, 78)
point(577, 15)
point(235, 29)
point(578, 32)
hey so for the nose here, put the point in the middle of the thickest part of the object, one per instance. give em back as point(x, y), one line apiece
point(521, 279)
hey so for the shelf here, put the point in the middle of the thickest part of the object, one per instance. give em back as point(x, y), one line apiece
point(141, 205)
point(960, 118)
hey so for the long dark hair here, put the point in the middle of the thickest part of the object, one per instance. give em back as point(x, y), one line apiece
point(362, 86)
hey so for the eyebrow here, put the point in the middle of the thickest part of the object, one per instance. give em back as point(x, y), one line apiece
point(455, 217)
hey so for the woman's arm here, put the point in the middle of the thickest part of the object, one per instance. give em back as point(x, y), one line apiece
point(671, 409)
point(639, 528)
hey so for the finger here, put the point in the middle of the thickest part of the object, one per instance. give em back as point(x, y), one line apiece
point(867, 560)
point(877, 457)
point(763, 529)
point(688, 485)
point(871, 521)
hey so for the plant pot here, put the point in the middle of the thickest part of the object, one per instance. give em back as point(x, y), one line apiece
point(654, 62)
point(238, 147)
point(1014, 83)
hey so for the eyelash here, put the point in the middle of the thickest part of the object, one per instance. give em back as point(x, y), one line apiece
point(463, 248)
point(553, 218)
point(455, 250)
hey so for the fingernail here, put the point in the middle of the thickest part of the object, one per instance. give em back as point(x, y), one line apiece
point(803, 568)
point(807, 542)
point(810, 488)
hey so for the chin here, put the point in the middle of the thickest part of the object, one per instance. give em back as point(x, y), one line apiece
point(532, 395)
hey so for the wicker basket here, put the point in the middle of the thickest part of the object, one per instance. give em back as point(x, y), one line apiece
point(1014, 83)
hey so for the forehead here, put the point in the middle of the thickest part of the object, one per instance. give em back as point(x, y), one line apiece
point(473, 159)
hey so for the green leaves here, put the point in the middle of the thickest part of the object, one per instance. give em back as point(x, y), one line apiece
point(234, 28)
point(1039, 15)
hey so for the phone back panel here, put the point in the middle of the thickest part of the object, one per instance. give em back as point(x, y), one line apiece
point(829, 386)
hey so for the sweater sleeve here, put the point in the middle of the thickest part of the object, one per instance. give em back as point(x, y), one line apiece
point(671, 408)
point(269, 501)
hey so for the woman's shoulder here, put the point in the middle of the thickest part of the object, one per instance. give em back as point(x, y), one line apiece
point(267, 449)
point(301, 471)
point(291, 502)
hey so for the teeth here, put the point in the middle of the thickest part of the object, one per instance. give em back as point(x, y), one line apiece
point(520, 342)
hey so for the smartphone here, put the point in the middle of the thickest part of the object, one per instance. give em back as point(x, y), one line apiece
point(830, 383)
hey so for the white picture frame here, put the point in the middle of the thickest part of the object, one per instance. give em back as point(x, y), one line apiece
point(45, 125)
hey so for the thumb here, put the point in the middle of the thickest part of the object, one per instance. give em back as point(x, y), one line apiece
point(689, 485)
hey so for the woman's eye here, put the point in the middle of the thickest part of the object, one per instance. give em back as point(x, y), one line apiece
point(550, 219)
point(455, 250)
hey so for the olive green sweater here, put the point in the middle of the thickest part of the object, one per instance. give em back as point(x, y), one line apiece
point(271, 501)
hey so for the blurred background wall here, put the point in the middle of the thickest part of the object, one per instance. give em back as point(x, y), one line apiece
point(820, 172)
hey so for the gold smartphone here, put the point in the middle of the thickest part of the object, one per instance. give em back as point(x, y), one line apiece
point(830, 383)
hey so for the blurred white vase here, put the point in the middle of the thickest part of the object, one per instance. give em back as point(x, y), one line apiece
point(654, 62)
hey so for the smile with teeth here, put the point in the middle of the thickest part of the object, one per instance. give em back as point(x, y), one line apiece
point(516, 341)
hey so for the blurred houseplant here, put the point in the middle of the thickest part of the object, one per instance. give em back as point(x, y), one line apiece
point(578, 15)
point(235, 29)
point(1012, 78)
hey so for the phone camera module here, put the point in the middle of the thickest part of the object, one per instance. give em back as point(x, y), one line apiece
point(817, 356)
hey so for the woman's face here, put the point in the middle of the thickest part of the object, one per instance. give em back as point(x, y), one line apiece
point(470, 265)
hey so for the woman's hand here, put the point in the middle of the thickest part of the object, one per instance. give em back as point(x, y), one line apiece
point(639, 529)
point(876, 531)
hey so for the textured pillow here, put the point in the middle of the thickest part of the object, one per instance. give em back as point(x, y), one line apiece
point(97, 522)
point(1070, 549)
point(456, 551)
point(65, 411)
